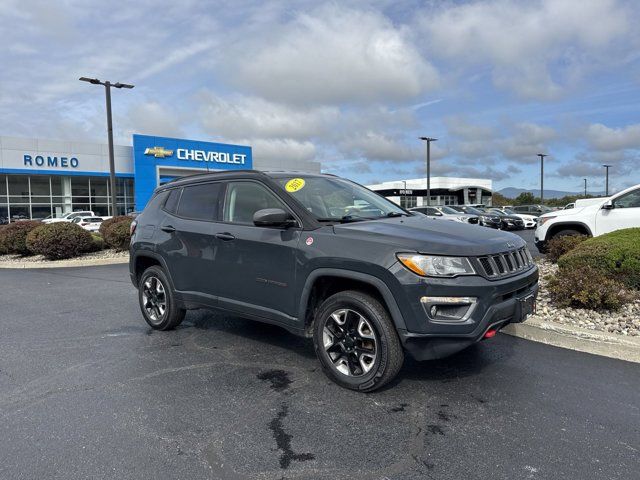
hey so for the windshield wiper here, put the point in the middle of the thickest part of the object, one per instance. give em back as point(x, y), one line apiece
point(396, 214)
point(345, 219)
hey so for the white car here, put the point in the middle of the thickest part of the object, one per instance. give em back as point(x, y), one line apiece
point(69, 217)
point(446, 213)
point(530, 221)
point(591, 217)
point(91, 224)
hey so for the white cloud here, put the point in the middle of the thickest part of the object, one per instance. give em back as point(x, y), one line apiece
point(608, 139)
point(332, 55)
point(534, 48)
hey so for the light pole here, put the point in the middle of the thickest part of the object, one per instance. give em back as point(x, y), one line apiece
point(542, 155)
point(404, 194)
point(428, 140)
point(112, 167)
point(606, 188)
point(585, 188)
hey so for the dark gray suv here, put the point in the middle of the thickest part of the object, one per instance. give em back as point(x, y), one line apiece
point(327, 258)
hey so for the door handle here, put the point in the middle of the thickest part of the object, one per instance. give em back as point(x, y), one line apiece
point(168, 229)
point(225, 236)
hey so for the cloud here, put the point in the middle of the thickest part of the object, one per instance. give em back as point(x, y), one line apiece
point(152, 118)
point(531, 47)
point(332, 55)
point(608, 139)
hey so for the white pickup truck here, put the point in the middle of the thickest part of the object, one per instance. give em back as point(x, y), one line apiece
point(591, 217)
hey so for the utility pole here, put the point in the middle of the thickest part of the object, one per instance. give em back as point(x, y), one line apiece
point(606, 188)
point(585, 188)
point(428, 140)
point(542, 155)
point(112, 166)
point(404, 194)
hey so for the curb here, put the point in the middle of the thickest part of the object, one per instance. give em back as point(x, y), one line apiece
point(576, 338)
point(76, 262)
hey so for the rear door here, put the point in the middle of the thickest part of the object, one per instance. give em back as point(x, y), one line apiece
point(258, 262)
point(186, 238)
point(624, 214)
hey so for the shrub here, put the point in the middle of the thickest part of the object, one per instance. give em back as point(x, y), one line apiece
point(583, 288)
point(14, 236)
point(3, 247)
point(115, 232)
point(98, 242)
point(60, 240)
point(558, 246)
point(615, 256)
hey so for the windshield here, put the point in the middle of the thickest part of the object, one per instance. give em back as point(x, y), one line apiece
point(334, 199)
point(508, 211)
point(471, 210)
point(448, 210)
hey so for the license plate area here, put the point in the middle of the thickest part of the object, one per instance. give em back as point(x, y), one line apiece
point(527, 306)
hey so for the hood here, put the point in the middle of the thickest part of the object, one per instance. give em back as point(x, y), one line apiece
point(429, 235)
point(577, 210)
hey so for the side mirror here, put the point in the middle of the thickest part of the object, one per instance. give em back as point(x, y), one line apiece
point(438, 214)
point(608, 206)
point(273, 217)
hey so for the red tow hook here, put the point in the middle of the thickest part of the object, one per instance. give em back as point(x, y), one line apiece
point(490, 333)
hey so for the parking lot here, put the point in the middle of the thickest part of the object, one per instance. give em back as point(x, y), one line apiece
point(89, 391)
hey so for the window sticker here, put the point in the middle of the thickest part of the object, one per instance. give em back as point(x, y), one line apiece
point(294, 185)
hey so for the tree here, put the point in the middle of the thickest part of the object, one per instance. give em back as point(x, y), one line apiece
point(526, 198)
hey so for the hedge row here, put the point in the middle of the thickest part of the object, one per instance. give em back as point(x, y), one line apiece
point(62, 239)
point(599, 273)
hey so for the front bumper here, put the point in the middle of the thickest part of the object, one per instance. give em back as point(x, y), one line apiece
point(498, 304)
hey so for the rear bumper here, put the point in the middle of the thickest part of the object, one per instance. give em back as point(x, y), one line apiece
point(498, 305)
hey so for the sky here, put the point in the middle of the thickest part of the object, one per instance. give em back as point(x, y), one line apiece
point(349, 84)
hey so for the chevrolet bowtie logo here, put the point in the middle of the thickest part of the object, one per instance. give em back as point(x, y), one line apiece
point(158, 152)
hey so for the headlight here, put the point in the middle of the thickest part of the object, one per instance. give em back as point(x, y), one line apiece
point(543, 220)
point(462, 219)
point(434, 266)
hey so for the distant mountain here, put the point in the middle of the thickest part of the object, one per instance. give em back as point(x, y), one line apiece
point(512, 192)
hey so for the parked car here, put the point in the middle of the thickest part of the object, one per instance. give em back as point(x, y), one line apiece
point(4, 220)
point(529, 220)
point(484, 219)
point(509, 222)
point(535, 210)
point(278, 248)
point(591, 217)
point(69, 217)
point(569, 206)
point(446, 213)
point(91, 224)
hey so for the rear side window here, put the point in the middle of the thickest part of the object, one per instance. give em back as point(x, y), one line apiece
point(200, 202)
point(172, 201)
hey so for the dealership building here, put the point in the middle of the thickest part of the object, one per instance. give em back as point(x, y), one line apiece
point(40, 177)
point(444, 191)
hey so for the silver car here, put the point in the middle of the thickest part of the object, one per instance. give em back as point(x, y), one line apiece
point(446, 213)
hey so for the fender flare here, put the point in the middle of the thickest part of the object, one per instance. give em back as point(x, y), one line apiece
point(563, 225)
point(375, 282)
point(154, 256)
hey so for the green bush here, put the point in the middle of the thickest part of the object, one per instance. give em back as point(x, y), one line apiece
point(615, 256)
point(98, 242)
point(60, 240)
point(584, 288)
point(3, 247)
point(115, 232)
point(558, 246)
point(14, 236)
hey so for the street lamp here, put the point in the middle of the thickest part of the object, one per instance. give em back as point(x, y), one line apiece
point(404, 194)
point(112, 168)
point(606, 188)
point(585, 188)
point(428, 140)
point(542, 155)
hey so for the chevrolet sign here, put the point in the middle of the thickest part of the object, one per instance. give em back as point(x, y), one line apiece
point(158, 152)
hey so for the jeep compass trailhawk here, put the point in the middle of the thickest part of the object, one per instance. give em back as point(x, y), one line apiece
point(326, 258)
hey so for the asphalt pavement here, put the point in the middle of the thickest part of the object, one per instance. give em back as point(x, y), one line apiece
point(87, 390)
point(528, 236)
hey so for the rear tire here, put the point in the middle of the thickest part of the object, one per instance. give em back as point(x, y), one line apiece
point(157, 300)
point(356, 341)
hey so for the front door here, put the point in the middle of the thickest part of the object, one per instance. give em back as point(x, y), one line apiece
point(259, 263)
point(624, 214)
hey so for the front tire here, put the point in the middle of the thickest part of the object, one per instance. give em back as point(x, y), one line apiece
point(356, 341)
point(157, 300)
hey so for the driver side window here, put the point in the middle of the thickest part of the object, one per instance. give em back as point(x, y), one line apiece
point(243, 199)
point(630, 200)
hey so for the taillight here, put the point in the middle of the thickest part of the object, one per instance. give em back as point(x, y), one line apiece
point(132, 229)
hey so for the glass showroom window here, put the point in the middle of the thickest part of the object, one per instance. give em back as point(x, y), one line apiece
point(4, 200)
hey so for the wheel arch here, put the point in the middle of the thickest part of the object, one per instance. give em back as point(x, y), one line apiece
point(558, 227)
point(144, 260)
point(324, 282)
